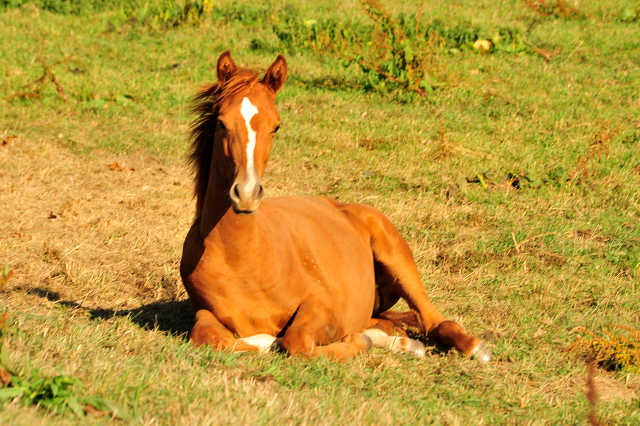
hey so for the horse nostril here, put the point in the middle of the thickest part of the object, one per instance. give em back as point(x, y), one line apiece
point(260, 193)
point(235, 194)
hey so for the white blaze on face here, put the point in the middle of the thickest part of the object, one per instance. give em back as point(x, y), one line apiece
point(248, 110)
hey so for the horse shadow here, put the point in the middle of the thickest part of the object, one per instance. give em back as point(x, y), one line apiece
point(176, 317)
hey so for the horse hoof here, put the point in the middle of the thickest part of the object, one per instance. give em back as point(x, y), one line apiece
point(410, 346)
point(482, 353)
point(416, 348)
point(368, 341)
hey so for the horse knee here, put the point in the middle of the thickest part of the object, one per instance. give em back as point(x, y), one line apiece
point(298, 341)
point(208, 330)
point(204, 334)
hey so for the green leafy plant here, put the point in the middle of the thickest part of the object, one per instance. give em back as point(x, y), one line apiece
point(65, 7)
point(151, 12)
point(395, 54)
point(388, 57)
point(168, 13)
point(59, 394)
point(629, 14)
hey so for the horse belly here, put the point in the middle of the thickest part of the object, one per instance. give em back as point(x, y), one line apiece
point(338, 266)
point(353, 289)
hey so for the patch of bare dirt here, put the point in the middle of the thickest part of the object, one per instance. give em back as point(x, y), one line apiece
point(452, 262)
point(607, 387)
point(94, 235)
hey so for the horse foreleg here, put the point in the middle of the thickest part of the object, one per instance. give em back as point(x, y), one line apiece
point(348, 347)
point(209, 331)
point(313, 333)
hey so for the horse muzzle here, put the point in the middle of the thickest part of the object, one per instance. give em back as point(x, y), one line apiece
point(246, 196)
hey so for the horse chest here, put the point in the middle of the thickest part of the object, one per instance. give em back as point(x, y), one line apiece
point(247, 300)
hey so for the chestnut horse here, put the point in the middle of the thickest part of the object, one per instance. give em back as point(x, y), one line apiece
point(310, 276)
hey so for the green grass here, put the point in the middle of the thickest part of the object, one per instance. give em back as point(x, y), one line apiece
point(129, 88)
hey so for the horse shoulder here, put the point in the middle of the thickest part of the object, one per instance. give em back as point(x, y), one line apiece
point(192, 250)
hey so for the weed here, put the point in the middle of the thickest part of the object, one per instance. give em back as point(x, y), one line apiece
point(599, 144)
point(65, 7)
point(585, 169)
point(554, 9)
point(613, 352)
point(5, 275)
point(388, 57)
point(629, 14)
point(392, 53)
point(168, 13)
point(57, 394)
point(592, 394)
point(38, 84)
point(556, 177)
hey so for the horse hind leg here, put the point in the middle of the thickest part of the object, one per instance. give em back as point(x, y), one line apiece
point(398, 276)
point(385, 334)
point(449, 333)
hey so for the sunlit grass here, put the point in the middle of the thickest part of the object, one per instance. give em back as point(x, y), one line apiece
point(522, 267)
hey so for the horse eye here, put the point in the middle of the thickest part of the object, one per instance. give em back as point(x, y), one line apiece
point(275, 129)
point(221, 124)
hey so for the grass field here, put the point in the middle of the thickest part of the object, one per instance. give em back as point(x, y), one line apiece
point(95, 248)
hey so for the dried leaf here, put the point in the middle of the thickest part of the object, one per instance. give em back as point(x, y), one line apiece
point(482, 45)
point(539, 333)
point(118, 168)
point(6, 141)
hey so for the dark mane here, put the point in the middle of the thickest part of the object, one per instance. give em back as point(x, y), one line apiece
point(206, 106)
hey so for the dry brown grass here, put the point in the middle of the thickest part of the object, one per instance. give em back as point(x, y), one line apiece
point(519, 268)
point(87, 233)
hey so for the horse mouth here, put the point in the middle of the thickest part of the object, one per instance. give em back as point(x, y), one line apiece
point(243, 212)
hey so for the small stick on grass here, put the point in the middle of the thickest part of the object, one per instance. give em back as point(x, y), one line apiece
point(592, 395)
point(519, 245)
point(48, 74)
point(597, 146)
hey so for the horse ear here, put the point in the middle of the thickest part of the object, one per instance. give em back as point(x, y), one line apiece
point(226, 67)
point(276, 74)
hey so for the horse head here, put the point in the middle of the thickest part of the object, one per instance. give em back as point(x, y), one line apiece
point(247, 121)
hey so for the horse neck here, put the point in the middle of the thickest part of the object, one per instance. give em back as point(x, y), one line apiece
point(216, 198)
point(217, 204)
